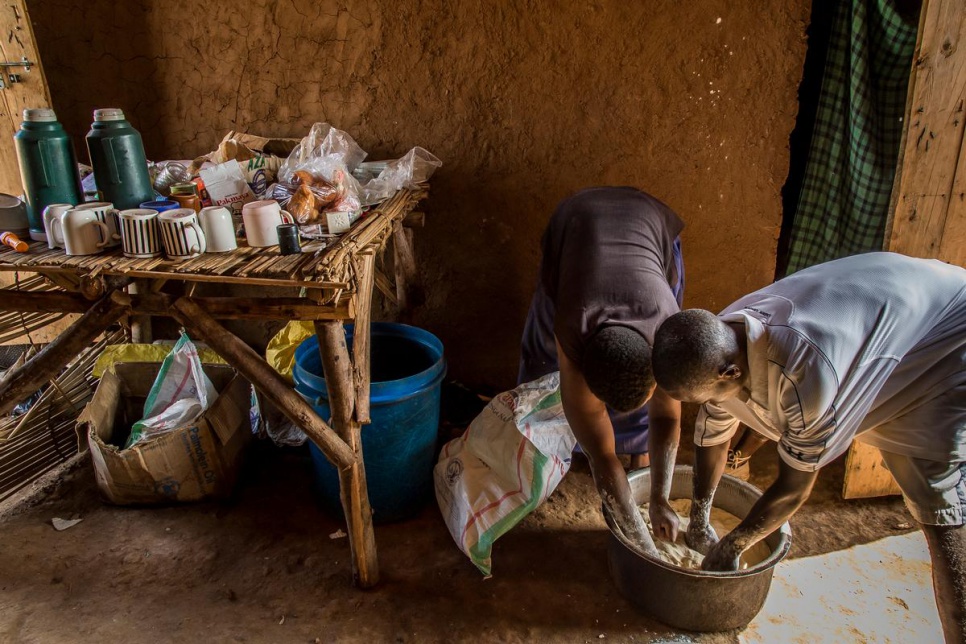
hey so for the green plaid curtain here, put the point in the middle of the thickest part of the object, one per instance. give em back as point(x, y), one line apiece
point(855, 142)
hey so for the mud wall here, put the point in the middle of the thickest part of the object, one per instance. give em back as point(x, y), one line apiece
point(525, 102)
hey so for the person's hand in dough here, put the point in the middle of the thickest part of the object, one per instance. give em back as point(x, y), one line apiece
point(700, 536)
point(664, 520)
point(723, 556)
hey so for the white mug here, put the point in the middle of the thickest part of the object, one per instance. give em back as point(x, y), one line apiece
point(219, 229)
point(261, 218)
point(181, 234)
point(81, 230)
point(51, 213)
point(107, 215)
point(140, 237)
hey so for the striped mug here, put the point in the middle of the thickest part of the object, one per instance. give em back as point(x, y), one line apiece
point(139, 233)
point(107, 215)
point(181, 233)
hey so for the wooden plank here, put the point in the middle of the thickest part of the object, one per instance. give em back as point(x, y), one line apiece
point(934, 138)
point(226, 308)
point(866, 475)
point(185, 277)
point(17, 42)
point(352, 481)
point(365, 274)
point(25, 380)
point(906, 120)
point(953, 246)
point(404, 264)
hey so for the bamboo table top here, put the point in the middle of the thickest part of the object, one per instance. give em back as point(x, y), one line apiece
point(324, 264)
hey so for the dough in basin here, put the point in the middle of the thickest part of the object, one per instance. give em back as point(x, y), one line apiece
point(679, 554)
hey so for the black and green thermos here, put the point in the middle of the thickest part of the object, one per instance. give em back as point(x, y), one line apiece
point(117, 156)
point(48, 166)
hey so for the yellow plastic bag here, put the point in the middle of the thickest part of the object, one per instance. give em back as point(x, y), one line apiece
point(280, 352)
point(114, 353)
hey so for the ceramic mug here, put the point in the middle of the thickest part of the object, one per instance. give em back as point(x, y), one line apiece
point(107, 215)
point(181, 234)
point(219, 229)
point(52, 213)
point(261, 218)
point(140, 237)
point(160, 205)
point(82, 231)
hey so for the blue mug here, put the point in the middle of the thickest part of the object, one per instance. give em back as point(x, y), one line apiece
point(160, 205)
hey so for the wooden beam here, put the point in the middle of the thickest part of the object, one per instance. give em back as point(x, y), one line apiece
point(365, 269)
point(28, 378)
point(352, 481)
point(228, 308)
point(414, 220)
point(141, 327)
point(384, 284)
point(185, 277)
point(404, 264)
point(267, 380)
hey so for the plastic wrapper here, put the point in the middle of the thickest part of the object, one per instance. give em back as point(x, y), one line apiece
point(268, 422)
point(413, 168)
point(180, 395)
point(325, 176)
point(316, 178)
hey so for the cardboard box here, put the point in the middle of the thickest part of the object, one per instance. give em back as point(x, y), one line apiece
point(187, 464)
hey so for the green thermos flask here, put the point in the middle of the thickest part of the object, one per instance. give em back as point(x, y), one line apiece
point(48, 166)
point(117, 156)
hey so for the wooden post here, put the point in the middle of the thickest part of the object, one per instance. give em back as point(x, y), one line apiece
point(140, 324)
point(352, 481)
point(29, 377)
point(266, 379)
point(404, 263)
point(361, 343)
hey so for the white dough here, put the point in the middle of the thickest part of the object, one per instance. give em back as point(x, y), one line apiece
point(679, 554)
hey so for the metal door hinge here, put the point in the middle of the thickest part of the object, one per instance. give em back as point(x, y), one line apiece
point(10, 79)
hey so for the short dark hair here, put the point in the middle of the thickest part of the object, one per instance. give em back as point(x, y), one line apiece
point(689, 349)
point(617, 368)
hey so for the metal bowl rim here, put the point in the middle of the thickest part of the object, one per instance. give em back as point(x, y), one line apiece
point(779, 553)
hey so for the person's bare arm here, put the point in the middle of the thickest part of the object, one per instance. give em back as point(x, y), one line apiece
point(776, 505)
point(588, 419)
point(664, 415)
point(709, 464)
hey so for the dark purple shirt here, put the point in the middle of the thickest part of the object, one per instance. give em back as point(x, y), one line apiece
point(607, 261)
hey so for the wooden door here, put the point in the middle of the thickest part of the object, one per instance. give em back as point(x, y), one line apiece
point(928, 217)
point(29, 88)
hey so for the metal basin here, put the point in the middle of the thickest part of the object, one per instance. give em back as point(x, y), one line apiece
point(695, 600)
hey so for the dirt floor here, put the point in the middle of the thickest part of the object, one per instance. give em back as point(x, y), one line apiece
point(263, 567)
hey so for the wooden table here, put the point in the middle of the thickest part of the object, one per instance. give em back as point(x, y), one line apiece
point(337, 282)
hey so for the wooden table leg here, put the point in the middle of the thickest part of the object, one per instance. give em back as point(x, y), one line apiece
point(361, 362)
point(267, 380)
point(30, 376)
point(404, 261)
point(352, 481)
point(140, 324)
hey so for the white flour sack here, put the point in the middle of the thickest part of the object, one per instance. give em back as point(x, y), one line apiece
point(509, 460)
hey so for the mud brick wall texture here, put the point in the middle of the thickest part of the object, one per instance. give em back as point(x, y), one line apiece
point(525, 102)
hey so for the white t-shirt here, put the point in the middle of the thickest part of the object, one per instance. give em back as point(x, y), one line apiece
point(845, 347)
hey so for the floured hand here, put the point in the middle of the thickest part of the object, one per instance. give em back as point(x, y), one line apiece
point(700, 537)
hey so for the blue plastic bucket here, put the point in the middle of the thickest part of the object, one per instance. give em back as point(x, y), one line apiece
point(399, 445)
